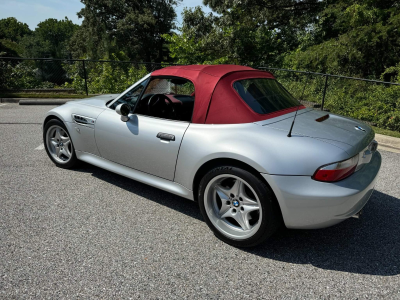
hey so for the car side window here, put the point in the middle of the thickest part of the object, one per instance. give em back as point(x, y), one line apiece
point(131, 96)
point(168, 98)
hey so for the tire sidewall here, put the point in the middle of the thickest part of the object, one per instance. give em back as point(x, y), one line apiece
point(270, 219)
point(73, 161)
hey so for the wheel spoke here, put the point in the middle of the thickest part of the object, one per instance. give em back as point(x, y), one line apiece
point(53, 142)
point(237, 188)
point(58, 134)
point(222, 192)
point(245, 200)
point(58, 151)
point(65, 152)
point(64, 139)
point(241, 218)
point(225, 210)
point(250, 208)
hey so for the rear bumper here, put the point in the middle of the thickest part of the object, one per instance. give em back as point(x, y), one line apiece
point(309, 204)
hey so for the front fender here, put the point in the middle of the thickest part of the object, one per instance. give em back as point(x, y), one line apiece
point(82, 135)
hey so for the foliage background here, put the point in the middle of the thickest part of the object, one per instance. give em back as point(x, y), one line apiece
point(355, 38)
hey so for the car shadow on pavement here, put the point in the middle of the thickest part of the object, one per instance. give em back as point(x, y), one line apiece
point(369, 245)
point(169, 200)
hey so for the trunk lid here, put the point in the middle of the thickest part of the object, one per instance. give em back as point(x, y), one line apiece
point(346, 133)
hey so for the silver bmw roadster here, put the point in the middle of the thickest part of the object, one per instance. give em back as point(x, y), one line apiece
point(230, 138)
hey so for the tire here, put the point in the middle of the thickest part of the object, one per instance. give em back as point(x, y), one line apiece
point(59, 145)
point(228, 199)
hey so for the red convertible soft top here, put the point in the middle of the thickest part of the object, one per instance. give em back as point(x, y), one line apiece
point(216, 101)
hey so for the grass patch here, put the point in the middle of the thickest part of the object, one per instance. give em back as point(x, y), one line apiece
point(386, 132)
point(37, 95)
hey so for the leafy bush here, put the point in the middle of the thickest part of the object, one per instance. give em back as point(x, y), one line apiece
point(105, 77)
point(102, 77)
point(366, 101)
point(18, 75)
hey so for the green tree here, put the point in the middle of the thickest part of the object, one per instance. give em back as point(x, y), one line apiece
point(132, 26)
point(12, 29)
point(206, 38)
point(273, 13)
point(10, 49)
point(50, 39)
point(355, 38)
point(199, 40)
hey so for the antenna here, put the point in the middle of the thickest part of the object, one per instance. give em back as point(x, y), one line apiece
point(291, 127)
point(298, 106)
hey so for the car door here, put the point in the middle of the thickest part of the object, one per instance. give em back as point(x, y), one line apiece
point(143, 143)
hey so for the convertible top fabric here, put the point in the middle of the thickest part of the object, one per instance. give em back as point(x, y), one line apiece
point(216, 101)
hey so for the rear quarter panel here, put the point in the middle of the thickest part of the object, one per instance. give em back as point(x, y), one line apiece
point(265, 149)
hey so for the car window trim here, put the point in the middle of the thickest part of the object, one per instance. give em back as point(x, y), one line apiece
point(163, 77)
point(141, 93)
point(129, 89)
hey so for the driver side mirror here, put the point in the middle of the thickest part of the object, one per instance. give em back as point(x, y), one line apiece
point(123, 110)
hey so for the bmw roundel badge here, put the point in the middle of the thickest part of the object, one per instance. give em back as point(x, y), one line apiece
point(359, 128)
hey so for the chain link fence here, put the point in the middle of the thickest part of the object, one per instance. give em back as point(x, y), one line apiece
point(373, 101)
point(35, 75)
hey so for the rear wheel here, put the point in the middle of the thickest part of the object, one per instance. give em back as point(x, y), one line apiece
point(58, 144)
point(238, 206)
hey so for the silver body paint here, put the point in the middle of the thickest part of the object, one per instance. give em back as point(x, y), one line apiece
point(132, 149)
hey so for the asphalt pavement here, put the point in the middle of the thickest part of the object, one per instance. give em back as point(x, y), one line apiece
point(89, 233)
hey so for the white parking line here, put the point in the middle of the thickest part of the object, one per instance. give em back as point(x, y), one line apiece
point(40, 147)
point(3, 104)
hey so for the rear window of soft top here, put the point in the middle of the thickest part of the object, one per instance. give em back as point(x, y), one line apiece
point(264, 95)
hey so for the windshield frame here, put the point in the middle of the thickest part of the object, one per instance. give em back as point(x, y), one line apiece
point(129, 88)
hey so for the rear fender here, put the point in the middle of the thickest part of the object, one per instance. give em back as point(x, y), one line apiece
point(266, 150)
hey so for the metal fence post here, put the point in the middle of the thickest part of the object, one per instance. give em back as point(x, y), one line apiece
point(42, 70)
point(323, 95)
point(84, 75)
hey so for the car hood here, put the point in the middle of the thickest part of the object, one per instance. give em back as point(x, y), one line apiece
point(346, 133)
point(97, 101)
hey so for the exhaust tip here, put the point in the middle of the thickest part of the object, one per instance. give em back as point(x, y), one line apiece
point(357, 215)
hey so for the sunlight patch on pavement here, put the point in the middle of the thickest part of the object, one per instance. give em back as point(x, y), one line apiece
point(40, 147)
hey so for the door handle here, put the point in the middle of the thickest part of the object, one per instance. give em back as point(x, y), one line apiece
point(166, 136)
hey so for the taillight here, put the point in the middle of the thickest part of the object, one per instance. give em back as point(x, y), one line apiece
point(336, 171)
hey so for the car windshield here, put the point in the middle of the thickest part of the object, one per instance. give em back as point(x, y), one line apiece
point(264, 95)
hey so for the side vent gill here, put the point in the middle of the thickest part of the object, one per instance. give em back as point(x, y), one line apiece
point(83, 120)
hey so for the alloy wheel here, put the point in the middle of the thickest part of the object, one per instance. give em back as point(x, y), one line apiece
point(59, 144)
point(233, 206)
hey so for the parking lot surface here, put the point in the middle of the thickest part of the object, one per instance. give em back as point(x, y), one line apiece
point(89, 233)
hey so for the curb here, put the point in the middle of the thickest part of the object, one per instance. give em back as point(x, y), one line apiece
point(36, 101)
point(388, 143)
point(9, 100)
point(44, 102)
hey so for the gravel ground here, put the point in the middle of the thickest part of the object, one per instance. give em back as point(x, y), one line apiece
point(89, 233)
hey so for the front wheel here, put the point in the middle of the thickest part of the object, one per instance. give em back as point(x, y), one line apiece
point(58, 144)
point(239, 207)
